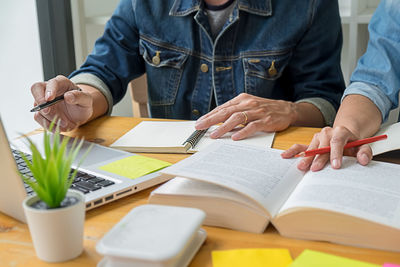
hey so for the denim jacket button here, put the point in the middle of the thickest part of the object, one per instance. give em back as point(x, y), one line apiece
point(272, 70)
point(195, 112)
point(156, 60)
point(204, 67)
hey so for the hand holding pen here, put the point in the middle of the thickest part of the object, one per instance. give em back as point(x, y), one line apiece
point(51, 102)
point(330, 145)
point(59, 97)
point(327, 149)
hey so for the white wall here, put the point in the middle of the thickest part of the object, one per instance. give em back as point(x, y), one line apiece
point(20, 64)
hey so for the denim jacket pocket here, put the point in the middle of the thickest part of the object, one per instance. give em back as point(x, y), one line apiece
point(164, 69)
point(262, 72)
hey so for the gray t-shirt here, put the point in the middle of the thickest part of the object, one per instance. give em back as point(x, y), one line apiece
point(218, 15)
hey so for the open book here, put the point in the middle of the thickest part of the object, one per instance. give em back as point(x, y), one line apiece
point(178, 137)
point(246, 187)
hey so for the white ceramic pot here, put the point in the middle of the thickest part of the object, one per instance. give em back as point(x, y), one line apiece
point(57, 234)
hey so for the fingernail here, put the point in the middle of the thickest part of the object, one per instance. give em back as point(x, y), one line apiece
point(236, 136)
point(335, 164)
point(72, 99)
point(364, 159)
point(214, 134)
point(316, 166)
point(48, 94)
point(301, 165)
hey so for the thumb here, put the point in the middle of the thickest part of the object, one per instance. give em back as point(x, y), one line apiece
point(57, 86)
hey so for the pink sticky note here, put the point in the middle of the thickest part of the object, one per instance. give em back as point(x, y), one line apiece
point(390, 265)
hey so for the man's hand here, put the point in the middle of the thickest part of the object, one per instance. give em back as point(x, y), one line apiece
point(336, 138)
point(255, 113)
point(76, 109)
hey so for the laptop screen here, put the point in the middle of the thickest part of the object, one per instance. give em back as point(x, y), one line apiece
point(12, 190)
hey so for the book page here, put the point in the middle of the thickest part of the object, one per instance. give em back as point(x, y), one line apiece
point(259, 173)
point(157, 134)
point(370, 192)
point(261, 139)
point(391, 143)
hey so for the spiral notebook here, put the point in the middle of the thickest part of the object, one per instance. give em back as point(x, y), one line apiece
point(178, 137)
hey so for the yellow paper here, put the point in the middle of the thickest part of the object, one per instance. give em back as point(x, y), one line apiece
point(135, 166)
point(309, 258)
point(251, 257)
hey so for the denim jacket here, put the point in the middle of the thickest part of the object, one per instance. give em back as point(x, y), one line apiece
point(377, 75)
point(287, 50)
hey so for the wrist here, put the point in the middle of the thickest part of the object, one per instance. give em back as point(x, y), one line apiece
point(99, 103)
point(294, 113)
point(359, 115)
point(306, 114)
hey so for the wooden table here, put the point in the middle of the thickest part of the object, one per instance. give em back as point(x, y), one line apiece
point(16, 247)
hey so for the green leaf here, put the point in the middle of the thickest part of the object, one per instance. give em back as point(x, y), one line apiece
point(51, 170)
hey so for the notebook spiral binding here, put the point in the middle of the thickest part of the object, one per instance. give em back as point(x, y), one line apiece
point(195, 137)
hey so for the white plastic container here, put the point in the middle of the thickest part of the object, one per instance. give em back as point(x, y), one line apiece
point(153, 235)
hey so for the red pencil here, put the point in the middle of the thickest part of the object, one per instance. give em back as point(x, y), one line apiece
point(327, 149)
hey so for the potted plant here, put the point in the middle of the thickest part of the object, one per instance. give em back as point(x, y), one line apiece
point(56, 214)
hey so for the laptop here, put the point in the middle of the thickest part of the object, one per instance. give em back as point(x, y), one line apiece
point(99, 187)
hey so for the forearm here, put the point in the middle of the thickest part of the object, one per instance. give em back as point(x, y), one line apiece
point(307, 114)
point(359, 115)
point(100, 104)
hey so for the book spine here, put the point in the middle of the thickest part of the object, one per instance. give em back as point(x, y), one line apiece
point(195, 137)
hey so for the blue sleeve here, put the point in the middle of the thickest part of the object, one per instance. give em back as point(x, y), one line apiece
point(379, 67)
point(315, 68)
point(115, 58)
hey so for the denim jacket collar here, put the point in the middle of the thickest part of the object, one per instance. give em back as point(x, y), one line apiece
point(184, 7)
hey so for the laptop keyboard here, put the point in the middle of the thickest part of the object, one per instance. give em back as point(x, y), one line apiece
point(83, 181)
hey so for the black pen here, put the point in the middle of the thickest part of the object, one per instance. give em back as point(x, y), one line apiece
point(51, 102)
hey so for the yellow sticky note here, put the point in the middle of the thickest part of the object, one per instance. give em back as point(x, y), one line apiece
point(265, 257)
point(135, 166)
point(310, 258)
